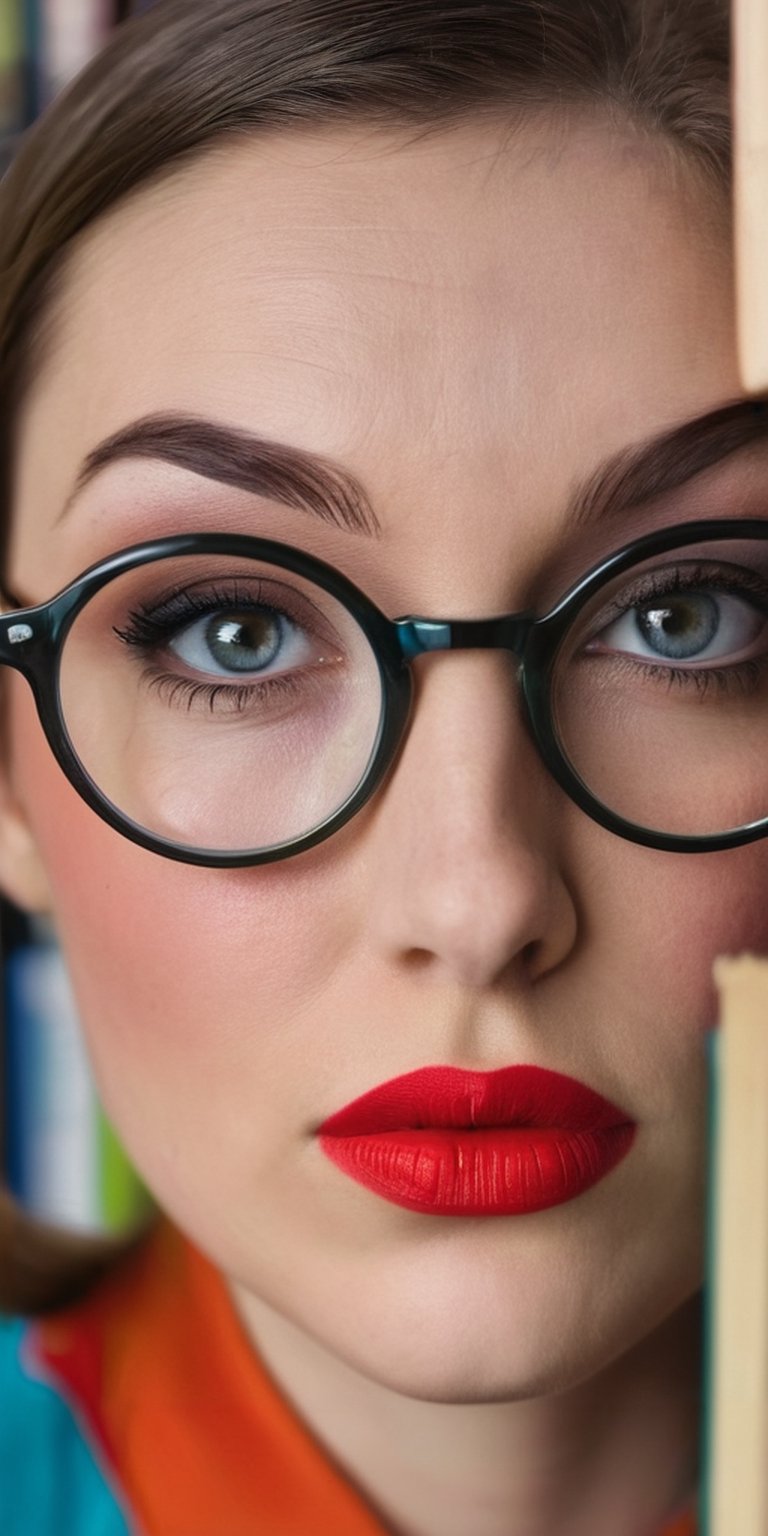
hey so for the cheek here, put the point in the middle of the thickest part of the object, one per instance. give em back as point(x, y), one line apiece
point(717, 906)
point(663, 918)
point(174, 965)
point(195, 988)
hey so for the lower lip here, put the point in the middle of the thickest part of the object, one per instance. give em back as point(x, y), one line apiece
point(491, 1172)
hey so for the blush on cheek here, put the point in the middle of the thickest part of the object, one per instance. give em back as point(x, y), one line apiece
point(708, 905)
point(170, 952)
point(115, 905)
point(737, 921)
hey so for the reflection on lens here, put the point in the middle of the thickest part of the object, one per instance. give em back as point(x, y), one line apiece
point(660, 691)
point(220, 703)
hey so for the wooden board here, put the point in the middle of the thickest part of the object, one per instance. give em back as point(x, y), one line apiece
point(737, 1475)
point(750, 29)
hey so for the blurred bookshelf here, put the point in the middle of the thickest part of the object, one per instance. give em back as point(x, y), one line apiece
point(43, 45)
point(61, 1158)
point(59, 1155)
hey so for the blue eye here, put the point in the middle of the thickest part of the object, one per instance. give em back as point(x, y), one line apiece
point(239, 641)
point(694, 626)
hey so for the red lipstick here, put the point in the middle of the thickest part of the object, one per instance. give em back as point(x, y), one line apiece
point(452, 1143)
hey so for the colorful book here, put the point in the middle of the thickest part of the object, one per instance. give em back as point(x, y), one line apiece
point(63, 1161)
point(11, 68)
point(51, 1102)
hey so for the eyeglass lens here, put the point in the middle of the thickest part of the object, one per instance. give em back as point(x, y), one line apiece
point(229, 704)
point(660, 694)
point(222, 703)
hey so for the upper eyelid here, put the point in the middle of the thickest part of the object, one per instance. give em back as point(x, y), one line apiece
point(619, 605)
point(542, 603)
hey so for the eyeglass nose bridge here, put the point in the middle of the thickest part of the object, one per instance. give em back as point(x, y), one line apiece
point(507, 632)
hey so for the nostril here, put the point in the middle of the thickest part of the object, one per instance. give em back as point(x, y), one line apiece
point(420, 959)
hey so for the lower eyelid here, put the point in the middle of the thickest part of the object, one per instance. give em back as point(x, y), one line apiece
point(171, 687)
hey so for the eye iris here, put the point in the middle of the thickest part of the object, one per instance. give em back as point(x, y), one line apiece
point(245, 641)
point(681, 627)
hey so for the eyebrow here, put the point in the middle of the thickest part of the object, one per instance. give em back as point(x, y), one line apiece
point(313, 483)
point(308, 482)
point(637, 475)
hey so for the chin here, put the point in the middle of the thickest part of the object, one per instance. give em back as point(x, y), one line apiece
point(461, 1349)
point(458, 1374)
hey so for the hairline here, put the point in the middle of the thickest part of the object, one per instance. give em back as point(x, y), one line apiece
point(691, 173)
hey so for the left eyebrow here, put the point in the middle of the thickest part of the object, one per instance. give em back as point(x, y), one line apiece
point(637, 475)
point(299, 479)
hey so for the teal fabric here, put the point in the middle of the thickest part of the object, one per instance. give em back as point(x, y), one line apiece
point(50, 1482)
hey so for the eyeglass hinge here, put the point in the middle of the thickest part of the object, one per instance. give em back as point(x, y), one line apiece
point(16, 634)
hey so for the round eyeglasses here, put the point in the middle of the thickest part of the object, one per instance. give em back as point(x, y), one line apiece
point(227, 700)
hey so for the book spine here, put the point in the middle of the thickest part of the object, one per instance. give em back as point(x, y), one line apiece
point(51, 1109)
point(122, 1198)
point(63, 1162)
point(70, 32)
point(11, 68)
point(33, 80)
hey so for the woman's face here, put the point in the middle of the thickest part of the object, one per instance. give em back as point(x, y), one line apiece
point(471, 324)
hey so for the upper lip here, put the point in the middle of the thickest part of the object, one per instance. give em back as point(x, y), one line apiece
point(449, 1097)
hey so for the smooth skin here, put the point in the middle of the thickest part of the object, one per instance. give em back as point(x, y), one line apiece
point(470, 321)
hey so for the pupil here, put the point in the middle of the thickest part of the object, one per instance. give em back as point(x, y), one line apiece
point(244, 641)
point(682, 627)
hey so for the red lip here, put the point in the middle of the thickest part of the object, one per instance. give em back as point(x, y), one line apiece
point(458, 1143)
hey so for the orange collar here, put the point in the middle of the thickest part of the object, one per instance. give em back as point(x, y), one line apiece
point(179, 1405)
point(196, 1433)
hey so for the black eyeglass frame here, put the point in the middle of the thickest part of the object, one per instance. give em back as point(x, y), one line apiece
point(32, 639)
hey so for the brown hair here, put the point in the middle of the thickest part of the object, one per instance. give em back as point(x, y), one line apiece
point(191, 72)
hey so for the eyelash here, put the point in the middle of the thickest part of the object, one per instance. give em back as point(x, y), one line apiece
point(690, 578)
point(734, 680)
point(742, 677)
point(148, 629)
point(236, 696)
point(148, 625)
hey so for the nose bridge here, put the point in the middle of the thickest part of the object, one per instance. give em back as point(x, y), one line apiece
point(507, 632)
point(467, 875)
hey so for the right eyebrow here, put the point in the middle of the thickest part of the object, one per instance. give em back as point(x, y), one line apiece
point(641, 473)
point(233, 456)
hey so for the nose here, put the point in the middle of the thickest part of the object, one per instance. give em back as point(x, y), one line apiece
point(467, 876)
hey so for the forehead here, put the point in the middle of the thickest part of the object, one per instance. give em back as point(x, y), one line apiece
point(475, 307)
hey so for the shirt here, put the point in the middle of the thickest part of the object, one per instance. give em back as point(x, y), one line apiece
point(145, 1410)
